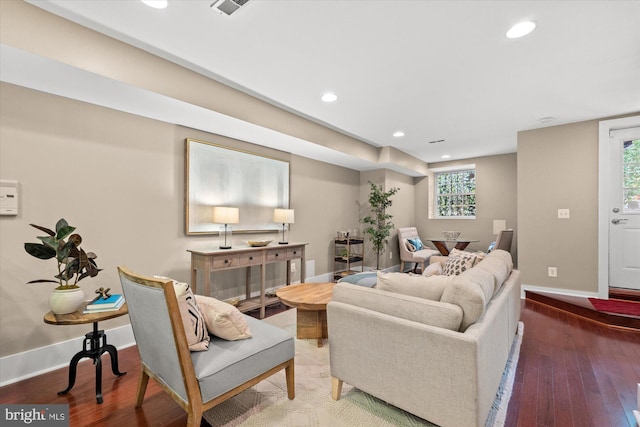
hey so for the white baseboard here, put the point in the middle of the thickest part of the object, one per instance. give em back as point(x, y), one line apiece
point(20, 366)
point(557, 291)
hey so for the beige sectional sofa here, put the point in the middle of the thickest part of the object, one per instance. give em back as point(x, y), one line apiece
point(435, 347)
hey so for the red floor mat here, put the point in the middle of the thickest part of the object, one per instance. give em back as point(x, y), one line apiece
point(631, 308)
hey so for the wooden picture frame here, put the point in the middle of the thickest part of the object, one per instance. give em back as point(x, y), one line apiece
point(216, 175)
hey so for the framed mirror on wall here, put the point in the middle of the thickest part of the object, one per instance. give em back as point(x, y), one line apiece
point(216, 175)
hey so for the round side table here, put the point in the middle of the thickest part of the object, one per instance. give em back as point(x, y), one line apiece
point(94, 345)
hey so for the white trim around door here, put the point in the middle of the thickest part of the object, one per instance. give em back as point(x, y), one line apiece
point(604, 180)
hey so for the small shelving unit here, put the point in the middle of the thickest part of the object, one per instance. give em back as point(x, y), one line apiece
point(347, 253)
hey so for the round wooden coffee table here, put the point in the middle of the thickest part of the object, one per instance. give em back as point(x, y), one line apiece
point(311, 301)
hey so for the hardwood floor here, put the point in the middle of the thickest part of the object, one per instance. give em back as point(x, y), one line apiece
point(571, 372)
point(574, 372)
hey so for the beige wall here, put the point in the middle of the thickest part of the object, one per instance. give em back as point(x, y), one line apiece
point(402, 211)
point(119, 178)
point(557, 169)
point(496, 178)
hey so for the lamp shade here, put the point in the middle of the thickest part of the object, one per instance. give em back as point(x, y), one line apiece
point(284, 216)
point(226, 215)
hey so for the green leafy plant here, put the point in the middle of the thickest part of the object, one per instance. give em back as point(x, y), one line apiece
point(378, 223)
point(74, 264)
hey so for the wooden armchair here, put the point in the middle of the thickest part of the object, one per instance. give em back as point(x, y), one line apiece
point(198, 381)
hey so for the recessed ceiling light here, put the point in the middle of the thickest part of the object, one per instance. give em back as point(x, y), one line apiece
point(521, 29)
point(446, 156)
point(398, 134)
point(329, 97)
point(546, 119)
point(156, 4)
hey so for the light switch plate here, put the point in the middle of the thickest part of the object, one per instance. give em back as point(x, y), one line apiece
point(8, 197)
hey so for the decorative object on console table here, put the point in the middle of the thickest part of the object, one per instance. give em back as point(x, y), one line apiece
point(73, 265)
point(284, 216)
point(378, 223)
point(347, 251)
point(226, 215)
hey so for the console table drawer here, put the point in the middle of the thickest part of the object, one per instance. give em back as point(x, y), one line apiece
point(274, 255)
point(250, 259)
point(294, 253)
point(225, 261)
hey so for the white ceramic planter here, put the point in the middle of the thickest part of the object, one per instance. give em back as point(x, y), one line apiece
point(66, 300)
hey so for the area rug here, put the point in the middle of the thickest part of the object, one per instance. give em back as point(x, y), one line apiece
point(266, 403)
point(616, 306)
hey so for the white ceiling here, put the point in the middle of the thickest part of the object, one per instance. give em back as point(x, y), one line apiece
point(433, 69)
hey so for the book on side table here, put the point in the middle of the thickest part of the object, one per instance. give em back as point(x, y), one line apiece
point(113, 303)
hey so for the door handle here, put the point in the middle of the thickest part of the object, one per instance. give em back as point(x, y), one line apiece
point(617, 221)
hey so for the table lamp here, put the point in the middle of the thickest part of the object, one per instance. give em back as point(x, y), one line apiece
point(284, 216)
point(226, 216)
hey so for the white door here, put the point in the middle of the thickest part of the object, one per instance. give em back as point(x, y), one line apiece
point(624, 209)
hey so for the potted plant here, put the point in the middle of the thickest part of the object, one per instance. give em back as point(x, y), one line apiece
point(378, 223)
point(74, 264)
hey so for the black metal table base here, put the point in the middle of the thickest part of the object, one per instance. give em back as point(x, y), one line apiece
point(97, 343)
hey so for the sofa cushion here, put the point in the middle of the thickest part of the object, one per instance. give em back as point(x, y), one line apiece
point(415, 285)
point(239, 361)
point(421, 310)
point(471, 290)
point(499, 267)
point(222, 319)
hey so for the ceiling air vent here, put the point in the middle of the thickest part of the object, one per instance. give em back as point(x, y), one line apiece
point(229, 6)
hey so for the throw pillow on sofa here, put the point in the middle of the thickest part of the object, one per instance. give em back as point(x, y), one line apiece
point(459, 261)
point(222, 319)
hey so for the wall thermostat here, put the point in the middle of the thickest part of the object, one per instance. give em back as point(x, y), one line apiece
point(8, 197)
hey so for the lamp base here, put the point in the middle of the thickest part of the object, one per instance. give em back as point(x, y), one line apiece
point(225, 247)
point(283, 243)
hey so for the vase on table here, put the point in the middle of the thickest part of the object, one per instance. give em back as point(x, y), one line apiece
point(64, 301)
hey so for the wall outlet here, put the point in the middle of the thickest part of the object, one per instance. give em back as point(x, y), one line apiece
point(553, 271)
point(293, 267)
point(563, 213)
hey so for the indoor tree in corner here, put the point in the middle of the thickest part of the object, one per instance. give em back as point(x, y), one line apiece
point(378, 223)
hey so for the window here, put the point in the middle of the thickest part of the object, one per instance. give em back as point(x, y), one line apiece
point(631, 176)
point(455, 193)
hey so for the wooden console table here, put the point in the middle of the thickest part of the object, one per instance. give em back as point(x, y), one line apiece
point(208, 261)
point(94, 345)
